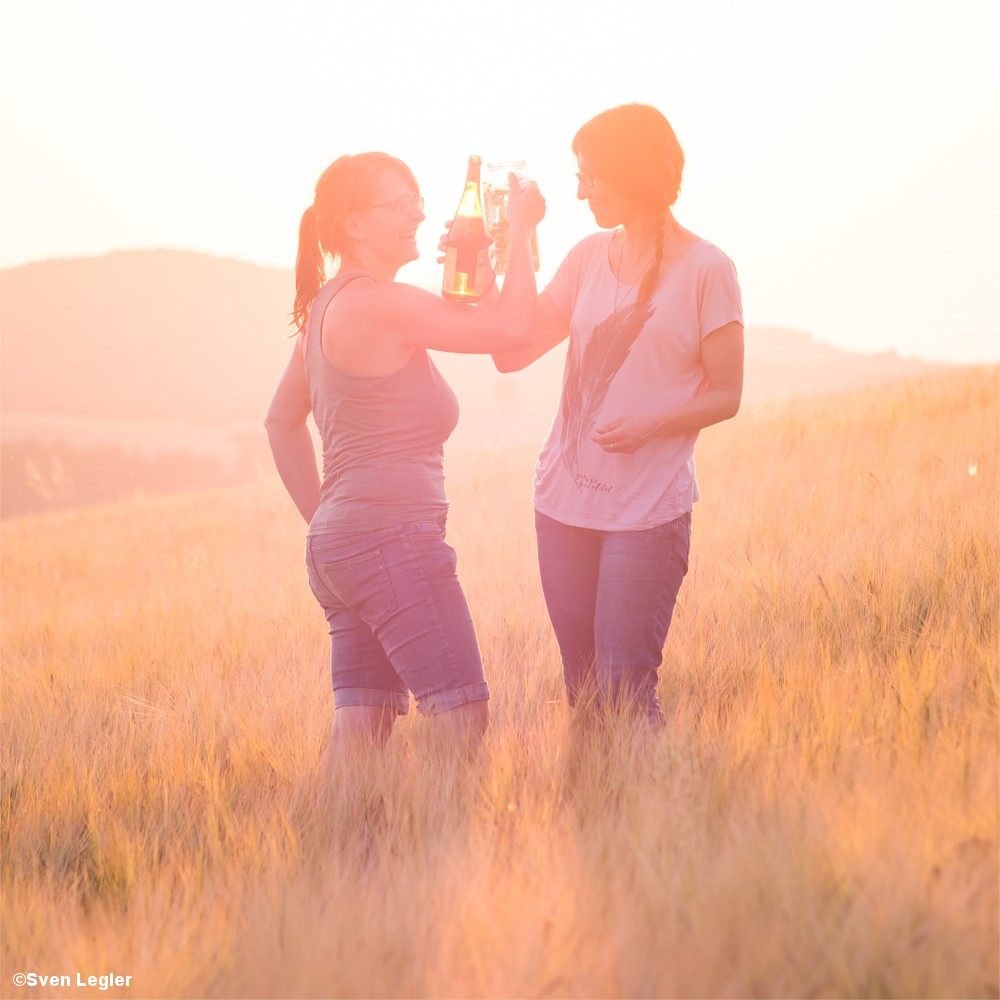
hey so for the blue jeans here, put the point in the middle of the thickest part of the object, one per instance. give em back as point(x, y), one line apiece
point(398, 618)
point(610, 597)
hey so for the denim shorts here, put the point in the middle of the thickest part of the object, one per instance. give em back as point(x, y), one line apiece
point(398, 617)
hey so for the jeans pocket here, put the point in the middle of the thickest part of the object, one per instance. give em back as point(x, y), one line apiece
point(436, 558)
point(435, 528)
point(357, 580)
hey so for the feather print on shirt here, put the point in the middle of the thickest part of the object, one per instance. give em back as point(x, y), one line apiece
point(590, 372)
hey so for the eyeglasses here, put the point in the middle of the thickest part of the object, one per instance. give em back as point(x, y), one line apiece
point(405, 204)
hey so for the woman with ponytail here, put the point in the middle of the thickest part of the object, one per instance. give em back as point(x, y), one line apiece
point(375, 550)
point(655, 326)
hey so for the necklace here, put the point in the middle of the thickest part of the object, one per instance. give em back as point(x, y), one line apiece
point(619, 297)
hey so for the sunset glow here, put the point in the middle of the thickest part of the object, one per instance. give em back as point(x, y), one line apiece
point(844, 156)
point(626, 628)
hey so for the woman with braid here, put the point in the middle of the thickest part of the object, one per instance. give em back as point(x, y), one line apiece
point(655, 326)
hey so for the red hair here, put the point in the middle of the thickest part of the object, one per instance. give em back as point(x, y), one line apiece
point(347, 185)
point(633, 149)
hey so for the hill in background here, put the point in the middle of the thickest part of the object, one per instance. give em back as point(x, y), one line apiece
point(109, 362)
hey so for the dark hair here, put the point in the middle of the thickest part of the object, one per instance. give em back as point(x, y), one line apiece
point(633, 149)
point(346, 186)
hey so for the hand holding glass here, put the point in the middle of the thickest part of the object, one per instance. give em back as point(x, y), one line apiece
point(496, 191)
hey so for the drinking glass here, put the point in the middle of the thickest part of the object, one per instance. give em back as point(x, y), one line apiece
point(496, 190)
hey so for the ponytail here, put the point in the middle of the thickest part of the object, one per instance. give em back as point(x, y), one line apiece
point(348, 184)
point(310, 268)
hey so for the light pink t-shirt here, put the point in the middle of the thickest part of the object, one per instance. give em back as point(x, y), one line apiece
point(618, 366)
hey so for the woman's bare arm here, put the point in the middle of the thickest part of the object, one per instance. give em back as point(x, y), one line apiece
point(289, 437)
point(550, 329)
point(722, 359)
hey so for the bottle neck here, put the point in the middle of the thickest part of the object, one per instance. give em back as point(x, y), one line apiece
point(471, 205)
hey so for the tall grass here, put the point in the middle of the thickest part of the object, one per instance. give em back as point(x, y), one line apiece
point(819, 818)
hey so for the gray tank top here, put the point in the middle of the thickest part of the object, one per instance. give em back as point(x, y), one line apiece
point(383, 435)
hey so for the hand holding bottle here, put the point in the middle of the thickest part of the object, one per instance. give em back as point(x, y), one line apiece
point(528, 205)
point(466, 255)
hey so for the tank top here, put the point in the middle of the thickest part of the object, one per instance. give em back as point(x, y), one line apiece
point(383, 435)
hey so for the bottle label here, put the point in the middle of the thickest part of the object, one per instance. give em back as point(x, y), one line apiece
point(464, 284)
point(450, 260)
point(482, 262)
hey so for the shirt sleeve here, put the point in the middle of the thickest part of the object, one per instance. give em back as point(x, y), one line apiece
point(565, 284)
point(720, 301)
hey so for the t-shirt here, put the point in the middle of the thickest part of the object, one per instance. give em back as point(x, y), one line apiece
point(630, 361)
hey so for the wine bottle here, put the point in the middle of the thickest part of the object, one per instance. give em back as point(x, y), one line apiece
point(466, 255)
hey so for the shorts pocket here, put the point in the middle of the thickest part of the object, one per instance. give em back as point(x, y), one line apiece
point(357, 580)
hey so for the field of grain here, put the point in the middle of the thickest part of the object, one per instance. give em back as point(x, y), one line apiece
point(819, 818)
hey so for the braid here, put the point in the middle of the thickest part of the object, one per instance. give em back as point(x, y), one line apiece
point(652, 275)
point(634, 150)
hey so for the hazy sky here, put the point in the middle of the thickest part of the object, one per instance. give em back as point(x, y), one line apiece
point(845, 155)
